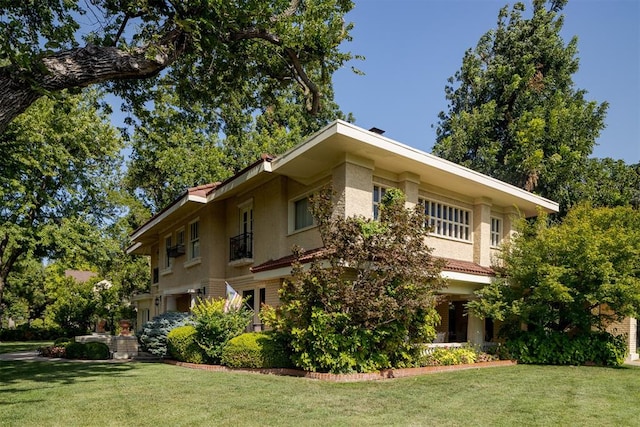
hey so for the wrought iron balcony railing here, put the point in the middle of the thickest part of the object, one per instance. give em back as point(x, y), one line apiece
point(241, 247)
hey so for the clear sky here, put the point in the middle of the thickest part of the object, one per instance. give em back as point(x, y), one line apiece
point(413, 46)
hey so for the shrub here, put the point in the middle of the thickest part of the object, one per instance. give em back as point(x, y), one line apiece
point(75, 350)
point(216, 324)
point(558, 348)
point(36, 331)
point(182, 345)
point(449, 356)
point(96, 351)
point(153, 335)
point(255, 350)
point(62, 341)
point(53, 351)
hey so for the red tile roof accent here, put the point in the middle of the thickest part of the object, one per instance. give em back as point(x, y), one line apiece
point(451, 264)
point(203, 190)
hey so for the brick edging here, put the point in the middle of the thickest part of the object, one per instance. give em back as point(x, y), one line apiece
point(384, 374)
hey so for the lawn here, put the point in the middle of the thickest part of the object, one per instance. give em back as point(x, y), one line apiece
point(154, 394)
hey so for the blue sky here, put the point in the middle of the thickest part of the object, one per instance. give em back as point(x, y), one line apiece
point(413, 46)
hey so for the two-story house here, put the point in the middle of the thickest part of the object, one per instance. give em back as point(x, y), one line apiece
point(241, 231)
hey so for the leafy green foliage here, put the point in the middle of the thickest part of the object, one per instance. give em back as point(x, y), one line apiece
point(368, 299)
point(153, 335)
point(216, 325)
point(227, 56)
point(449, 356)
point(255, 350)
point(96, 351)
point(182, 345)
point(55, 188)
point(559, 274)
point(557, 348)
point(567, 279)
point(514, 112)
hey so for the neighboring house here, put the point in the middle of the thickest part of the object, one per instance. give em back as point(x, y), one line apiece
point(241, 231)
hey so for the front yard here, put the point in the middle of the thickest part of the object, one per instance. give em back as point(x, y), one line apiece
point(151, 394)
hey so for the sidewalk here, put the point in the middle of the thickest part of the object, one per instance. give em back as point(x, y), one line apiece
point(32, 356)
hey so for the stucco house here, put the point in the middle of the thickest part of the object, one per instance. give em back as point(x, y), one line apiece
point(241, 231)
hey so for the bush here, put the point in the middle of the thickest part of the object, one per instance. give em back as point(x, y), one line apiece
point(153, 335)
point(182, 345)
point(255, 350)
point(62, 341)
point(557, 348)
point(37, 331)
point(449, 356)
point(75, 350)
point(96, 351)
point(53, 351)
point(216, 324)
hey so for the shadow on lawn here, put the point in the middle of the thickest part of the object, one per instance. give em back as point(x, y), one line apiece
point(54, 372)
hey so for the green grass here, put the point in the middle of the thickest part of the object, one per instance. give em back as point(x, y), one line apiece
point(11, 347)
point(155, 394)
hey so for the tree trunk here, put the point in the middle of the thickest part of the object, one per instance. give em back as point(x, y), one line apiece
point(79, 68)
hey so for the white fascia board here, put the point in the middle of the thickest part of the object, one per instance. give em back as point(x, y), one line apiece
point(466, 277)
point(133, 247)
point(264, 166)
point(187, 198)
point(400, 149)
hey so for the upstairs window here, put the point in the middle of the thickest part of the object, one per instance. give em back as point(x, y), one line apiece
point(378, 195)
point(448, 221)
point(302, 214)
point(194, 240)
point(496, 231)
point(168, 261)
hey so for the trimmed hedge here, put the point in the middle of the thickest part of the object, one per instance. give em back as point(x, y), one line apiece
point(153, 335)
point(182, 345)
point(557, 348)
point(255, 350)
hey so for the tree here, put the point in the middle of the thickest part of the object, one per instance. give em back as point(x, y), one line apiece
point(514, 112)
point(173, 150)
point(607, 182)
point(368, 300)
point(59, 163)
point(567, 279)
point(205, 50)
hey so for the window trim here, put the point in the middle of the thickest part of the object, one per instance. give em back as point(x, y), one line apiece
point(191, 258)
point(453, 225)
point(292, 213)
point(375, 207)
point(167, 261)
point(496, 235)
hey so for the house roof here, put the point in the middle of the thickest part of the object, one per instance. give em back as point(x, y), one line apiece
point(315, 157)
point(453, 265)
point(80, 276)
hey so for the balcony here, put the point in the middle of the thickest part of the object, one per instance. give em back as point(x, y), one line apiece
point(175, 251)
point(241, 248)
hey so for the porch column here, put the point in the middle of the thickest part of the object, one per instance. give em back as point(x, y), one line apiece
point(475, 330)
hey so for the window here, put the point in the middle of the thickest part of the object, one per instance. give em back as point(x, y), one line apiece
point(302, 214)
point(194, 240)
point(263, 297)
point(180, 237)
point(248, 297)
point(378, 195)
point(447, 221)
point(496, 231)
point(168, 261)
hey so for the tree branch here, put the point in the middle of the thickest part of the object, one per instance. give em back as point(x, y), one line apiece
point(82, 67)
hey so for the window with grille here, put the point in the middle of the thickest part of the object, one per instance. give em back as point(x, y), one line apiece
point(448, 221)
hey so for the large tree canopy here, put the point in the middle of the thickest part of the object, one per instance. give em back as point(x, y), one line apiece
point(514, 112)
point(206, 50)
point(59, 163)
